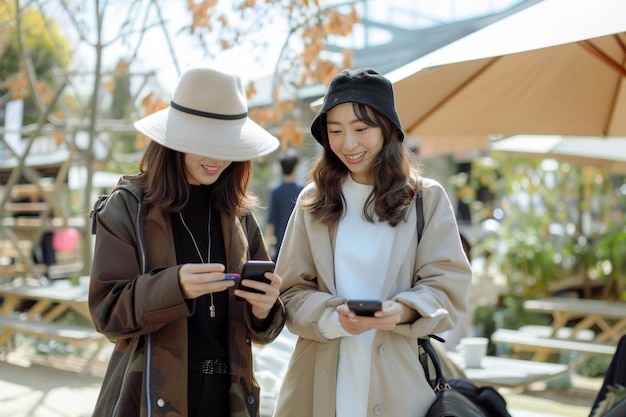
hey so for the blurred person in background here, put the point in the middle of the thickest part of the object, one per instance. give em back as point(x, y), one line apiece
point(282, 201)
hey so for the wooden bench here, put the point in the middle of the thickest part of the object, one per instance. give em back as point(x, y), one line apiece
point(16, 261)
point(529, 341)
point(508, 372)
point(562, 333)
point(77, 336)
point(26, 209)
point(58, 312)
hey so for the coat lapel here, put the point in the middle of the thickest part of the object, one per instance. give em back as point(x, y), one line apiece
point(323, 245)
point(404, 232)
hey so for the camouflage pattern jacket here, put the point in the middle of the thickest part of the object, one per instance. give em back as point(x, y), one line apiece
point(135, 300)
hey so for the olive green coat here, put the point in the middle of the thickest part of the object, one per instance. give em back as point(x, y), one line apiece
point(136, 301)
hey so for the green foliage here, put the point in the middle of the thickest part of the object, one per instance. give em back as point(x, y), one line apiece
point(595, 366)
point(509, 314)
point(29, 36)
point(556, 221)
point(609, 258)
point(41, 38)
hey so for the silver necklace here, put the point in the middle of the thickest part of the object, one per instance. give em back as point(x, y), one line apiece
point(208, 255)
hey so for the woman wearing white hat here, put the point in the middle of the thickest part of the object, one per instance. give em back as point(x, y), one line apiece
point(164, 240)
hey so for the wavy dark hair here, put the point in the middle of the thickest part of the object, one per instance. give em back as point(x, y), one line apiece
point(165, 184)
point(395, 179)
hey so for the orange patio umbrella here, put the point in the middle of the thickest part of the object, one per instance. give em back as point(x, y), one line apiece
point(555, 68)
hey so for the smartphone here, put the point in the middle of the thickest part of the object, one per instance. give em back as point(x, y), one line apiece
point(365, 307)
point(254, 270)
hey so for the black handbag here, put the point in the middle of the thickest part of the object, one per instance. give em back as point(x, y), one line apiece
point(449, 402)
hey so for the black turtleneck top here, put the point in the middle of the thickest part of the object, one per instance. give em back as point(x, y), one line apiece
point(208, 336)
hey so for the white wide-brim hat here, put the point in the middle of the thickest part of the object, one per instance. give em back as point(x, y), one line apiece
point(208, 116)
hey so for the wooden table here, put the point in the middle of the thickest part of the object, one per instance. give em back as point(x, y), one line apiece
point(507, 372)
point(36, 310)
point(607, 316)
point(48, 301)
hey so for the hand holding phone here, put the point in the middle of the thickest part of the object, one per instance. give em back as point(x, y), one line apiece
point(365, 308)
point(254, 270)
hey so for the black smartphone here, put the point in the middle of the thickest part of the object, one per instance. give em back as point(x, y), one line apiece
point(365, 307)
point(256, 270)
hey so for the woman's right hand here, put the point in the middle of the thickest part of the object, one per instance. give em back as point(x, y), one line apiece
point(200, 279)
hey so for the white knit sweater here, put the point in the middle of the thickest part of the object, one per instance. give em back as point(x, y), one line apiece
point(361, 257)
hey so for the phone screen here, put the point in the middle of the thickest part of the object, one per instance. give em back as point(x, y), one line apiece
point(365, 307)
point(255, 270)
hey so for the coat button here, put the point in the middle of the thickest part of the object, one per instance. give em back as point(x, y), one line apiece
point(161, 402)
point(379, 410)
point(250, 399)
point(382, 350)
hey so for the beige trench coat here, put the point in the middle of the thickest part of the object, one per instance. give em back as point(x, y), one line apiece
point(434, 280)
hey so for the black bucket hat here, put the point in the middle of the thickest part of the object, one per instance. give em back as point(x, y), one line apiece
point(365, 86)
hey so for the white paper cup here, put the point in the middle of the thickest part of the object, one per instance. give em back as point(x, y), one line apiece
point(474, 350)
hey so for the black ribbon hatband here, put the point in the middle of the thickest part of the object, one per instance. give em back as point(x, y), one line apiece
point(207, 114)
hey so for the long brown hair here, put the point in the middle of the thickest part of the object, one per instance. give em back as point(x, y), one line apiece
point(395, 180)
point(165, 183)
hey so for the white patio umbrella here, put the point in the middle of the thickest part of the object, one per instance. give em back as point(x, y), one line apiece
point(555, 68)
point(608, 154)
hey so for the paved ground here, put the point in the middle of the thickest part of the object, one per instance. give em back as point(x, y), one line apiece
point(30, 389)
point(41, 391)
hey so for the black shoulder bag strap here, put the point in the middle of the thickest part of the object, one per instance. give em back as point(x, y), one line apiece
point(427, 349)
point(419, 209)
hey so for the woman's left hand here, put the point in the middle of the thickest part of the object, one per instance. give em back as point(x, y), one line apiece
point(261, 304)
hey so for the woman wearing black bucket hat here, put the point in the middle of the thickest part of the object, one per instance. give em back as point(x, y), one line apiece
point(164, 240)
point(353, 235)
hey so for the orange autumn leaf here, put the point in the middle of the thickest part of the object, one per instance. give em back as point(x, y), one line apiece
point(340, 24)
point(269, 114)
point(141, 141)
point(58, 138)
point(273, 115)
point(58, 116)
point(152, 103)
point(44, 90)
point(326, 71)
point(251, 90)
point(17, 84)
point(348, 58)
point(200, 14)
point(255, 114)
point(285, 106)
point(108, 83)
point(290, 132)
point(121, 68)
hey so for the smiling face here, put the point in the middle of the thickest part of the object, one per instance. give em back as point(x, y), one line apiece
point(201, 170)
point(354, 142)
